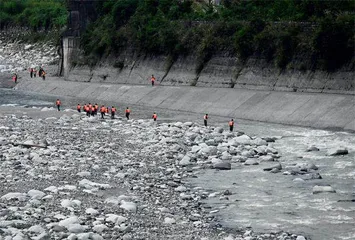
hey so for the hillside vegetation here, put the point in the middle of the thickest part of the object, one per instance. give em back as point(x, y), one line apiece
point(33, 14)
point(316, 34)
point(278, 31)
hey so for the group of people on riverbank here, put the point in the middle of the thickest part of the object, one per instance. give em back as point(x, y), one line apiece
point(41, 73)
point(93, 109)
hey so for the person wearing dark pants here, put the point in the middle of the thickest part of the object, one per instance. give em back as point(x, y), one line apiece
point(152, 80)
point(78, 108)
point(205, 118)
point(155, 116)
point(58, 103)
point(128, 112)
point(113, 112)
point(231, 125)
point(102, 111)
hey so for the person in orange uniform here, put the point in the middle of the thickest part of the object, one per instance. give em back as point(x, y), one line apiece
point(102, 111)
point(87, 110)
point(14, 77)
point(93, 110)
point(113, 112)
point(155, 116)
point(107, 110)
point(84, 107)
point(205, 118)
point(58, 104)
point(231, 125)
point(78, 108)
point(96, 108)
point(152, 79)
point(128, 112)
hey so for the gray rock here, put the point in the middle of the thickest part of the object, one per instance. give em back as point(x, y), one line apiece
point(300, 238)
point(218, 129)
point(185, 161)
point(222, 165)
point(168, 220)
point(338, 151)
point(76, 228)
point(266, 158)
point(251, 161)
point(276, 166)
point(323, 189)
point(312, 148)
point(275, 170)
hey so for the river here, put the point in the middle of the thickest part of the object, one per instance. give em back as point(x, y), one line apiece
point(263, 200)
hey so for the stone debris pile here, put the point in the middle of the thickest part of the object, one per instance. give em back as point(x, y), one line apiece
point(116, 179)
point(17, 56)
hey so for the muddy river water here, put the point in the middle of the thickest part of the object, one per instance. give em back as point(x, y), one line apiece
point(262, 200)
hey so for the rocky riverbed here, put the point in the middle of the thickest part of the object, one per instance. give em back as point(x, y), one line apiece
point(85, 178)
point(17, 56)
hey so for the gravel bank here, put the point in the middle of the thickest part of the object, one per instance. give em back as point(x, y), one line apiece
point(114, 179)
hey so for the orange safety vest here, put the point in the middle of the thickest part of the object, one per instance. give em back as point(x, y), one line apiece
point(106, 110)
point(205, 117)
point(93, 109)
point(84, 107)
point(78, 107)
point(102, 109)
point(153, 79)
point(154, 116)
point(90, 106)
point(57, 102)
point(113, 110)
point(128, 110)
point(231, 123)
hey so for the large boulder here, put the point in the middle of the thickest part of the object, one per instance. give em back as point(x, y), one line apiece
point(322, 189)
point(275, 166)
point(242, 140)
point(222, 165)
point(185, 161)
point(251, 161)
point(337, 151)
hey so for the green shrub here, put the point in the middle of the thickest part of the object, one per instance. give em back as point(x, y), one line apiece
point(334, 42)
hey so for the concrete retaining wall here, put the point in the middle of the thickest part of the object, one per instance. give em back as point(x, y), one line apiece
point(220, 71)
point(303, 109)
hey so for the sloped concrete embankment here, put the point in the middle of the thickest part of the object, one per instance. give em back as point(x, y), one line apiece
point(220, 71)
point(303, 109)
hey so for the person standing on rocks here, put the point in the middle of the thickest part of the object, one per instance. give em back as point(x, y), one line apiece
point(231, 125)
point(155, 116)
point(128, 112)
point(34, 72)
point(84, 108)
point(113, 112)
point(96, 108)
point(14, 77)
point(93, 110)
point(152, 79)
point(89, 110)
point(78, 108)
point(40, 72)
point(58, 103)
point(205, 118)
point(102, 111)
point(43, 75)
